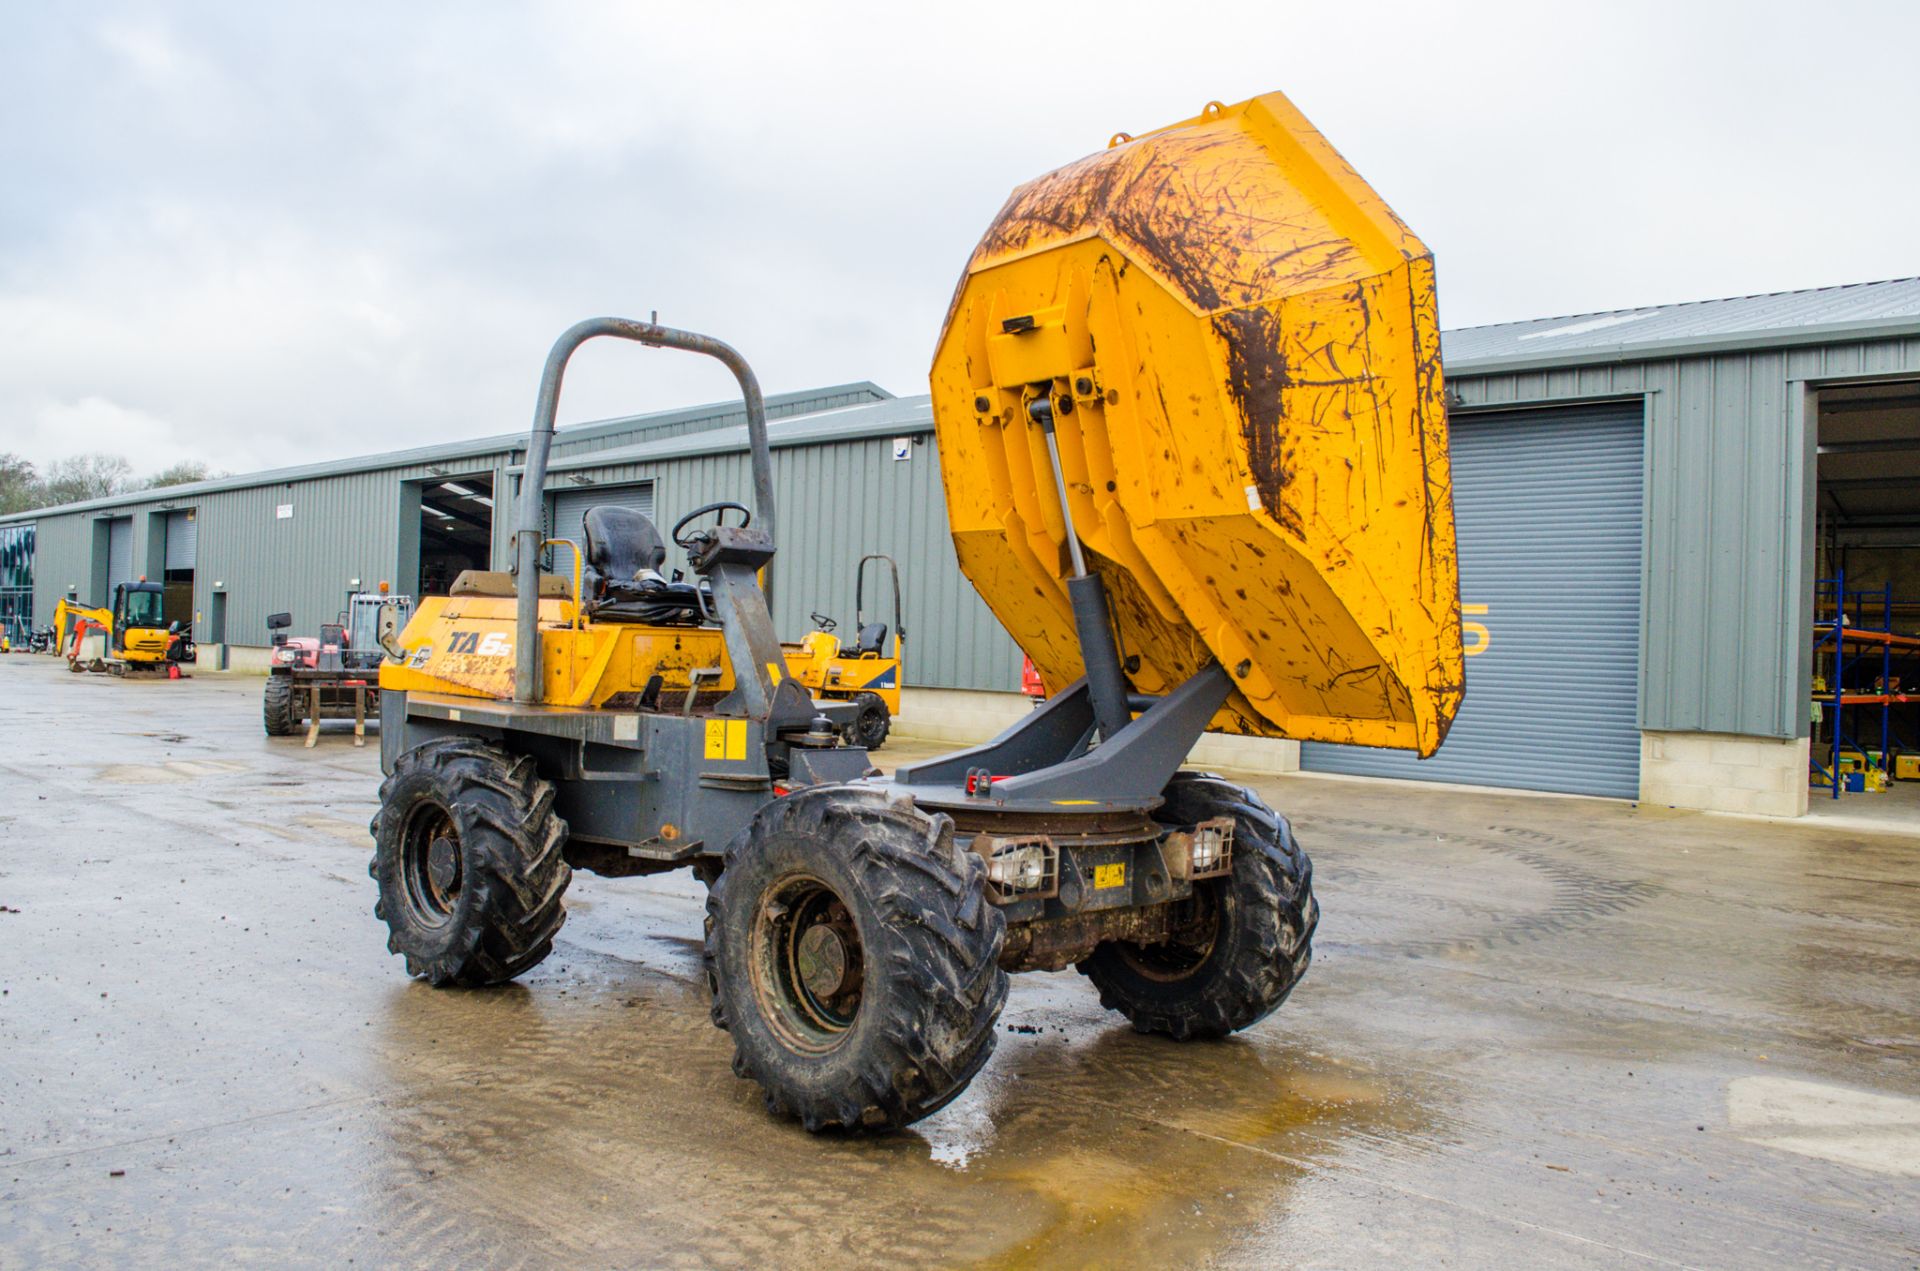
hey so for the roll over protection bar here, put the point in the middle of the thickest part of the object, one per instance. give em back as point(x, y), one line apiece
point(529, 533)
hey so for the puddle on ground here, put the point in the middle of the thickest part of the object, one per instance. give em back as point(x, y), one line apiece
point(335, 827)
point(1131, 1150)
point(172, 770)
point(1863, 1129)
point(1080, 1144)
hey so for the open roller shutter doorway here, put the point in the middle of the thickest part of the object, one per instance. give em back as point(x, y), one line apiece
point(1548, 505)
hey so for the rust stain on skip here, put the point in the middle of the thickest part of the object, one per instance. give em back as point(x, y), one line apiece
point(1257, 379)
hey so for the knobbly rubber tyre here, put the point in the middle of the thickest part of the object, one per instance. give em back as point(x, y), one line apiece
point(493, 910)
point(276, 706)
point(874, 722)
point(1263, 915)
point(928, 948)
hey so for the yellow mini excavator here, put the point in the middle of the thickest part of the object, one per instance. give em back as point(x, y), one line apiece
point(132, 636)
point(1192, 431)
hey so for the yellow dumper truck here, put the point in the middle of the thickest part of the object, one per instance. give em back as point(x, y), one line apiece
point(1191, 423)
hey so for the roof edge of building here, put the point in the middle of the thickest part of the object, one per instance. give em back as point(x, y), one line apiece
point(912, 416)
point(1906, 280)
point(475, 448)
point(1851, 332)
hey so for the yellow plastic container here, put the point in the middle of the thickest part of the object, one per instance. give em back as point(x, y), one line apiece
point(1241, 345)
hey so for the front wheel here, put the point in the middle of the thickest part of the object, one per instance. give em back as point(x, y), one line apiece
point(854, 959)
point(276, 706)
point(467, 852)
point(1246, 938)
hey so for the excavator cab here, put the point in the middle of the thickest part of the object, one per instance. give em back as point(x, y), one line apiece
point(137, 607)
point(142, 636)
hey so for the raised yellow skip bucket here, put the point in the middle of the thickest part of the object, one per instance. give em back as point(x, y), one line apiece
point(1240, 342)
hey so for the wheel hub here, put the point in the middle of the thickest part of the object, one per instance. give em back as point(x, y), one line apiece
point(808, 964)
point(443, 864)
point(822, 961)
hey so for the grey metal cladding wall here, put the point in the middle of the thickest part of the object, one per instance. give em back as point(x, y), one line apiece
point(725, 416)
point(1727, 592)
point(1548, 504)
point(838, 501)
point(62, 555)
point(343, 527)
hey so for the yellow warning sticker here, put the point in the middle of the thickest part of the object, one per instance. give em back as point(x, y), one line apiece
point(774, 673)
point(1105, 876)
point(736, 739)
point(716, 739)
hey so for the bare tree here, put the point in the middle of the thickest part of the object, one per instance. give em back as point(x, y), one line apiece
point(20, 489)
point(81, 477)
point(184, 473)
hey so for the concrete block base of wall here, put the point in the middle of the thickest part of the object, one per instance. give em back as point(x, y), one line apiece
point(244, 659)
point(1715, 772)
point(962, 717)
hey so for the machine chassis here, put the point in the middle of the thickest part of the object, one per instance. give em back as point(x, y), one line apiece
point(860, 928)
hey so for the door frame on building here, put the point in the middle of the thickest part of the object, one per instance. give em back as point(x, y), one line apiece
point(1805, 405)
point(407, 562)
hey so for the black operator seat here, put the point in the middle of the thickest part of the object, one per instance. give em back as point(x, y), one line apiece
point(872, 640)
point(622, 577)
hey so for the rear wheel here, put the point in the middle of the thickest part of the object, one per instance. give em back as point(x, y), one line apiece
point(1246, 940)
point(276, 706)
point(871, 726)
point(854, 959)
point(467, 852)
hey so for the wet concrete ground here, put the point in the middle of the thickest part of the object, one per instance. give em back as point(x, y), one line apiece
point(1537, 1032)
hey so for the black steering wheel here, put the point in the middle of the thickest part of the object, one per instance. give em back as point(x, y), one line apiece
point(746, 519)
point(821, 621)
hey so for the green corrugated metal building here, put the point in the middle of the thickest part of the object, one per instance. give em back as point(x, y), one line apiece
point(1646, 498)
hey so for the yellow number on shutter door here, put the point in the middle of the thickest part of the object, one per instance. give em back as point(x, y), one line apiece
point(1476, 635)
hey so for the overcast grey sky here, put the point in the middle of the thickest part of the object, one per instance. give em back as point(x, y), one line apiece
point(265, 234)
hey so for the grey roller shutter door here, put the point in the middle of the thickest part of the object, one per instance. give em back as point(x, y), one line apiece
point(1548, 505)
point(119, 554)
point(182, 539)
point(567, 517)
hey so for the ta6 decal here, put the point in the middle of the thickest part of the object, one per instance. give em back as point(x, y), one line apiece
point(487, 644)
